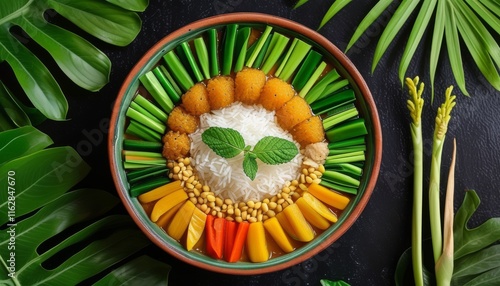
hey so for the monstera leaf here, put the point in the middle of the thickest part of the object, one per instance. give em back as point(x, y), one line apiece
point(53, 236)
point(114, 22)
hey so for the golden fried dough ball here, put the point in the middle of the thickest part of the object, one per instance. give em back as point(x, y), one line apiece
point(176, 145)
point(220, 92)
point(248, 84)
point(275, 93)
point(180, 120)
point(308, 131)
point(293, 112)
point(195, 100)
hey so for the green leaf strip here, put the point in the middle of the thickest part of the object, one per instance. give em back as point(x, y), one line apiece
point(260, 57)
point(171, 91)
point(336, 7)
point(299, 52)
point(241, 45)
point(258, 46)
point(213, 54)
point(179, 73)
point(202, 54)
point(320, 86)
point(393, 27)
point(306, 70)
point(156, 90)
point(151, 108)
point(228, 53)
point(419, 27)
point(192, 62)
point(275, 50)
point(368, 20)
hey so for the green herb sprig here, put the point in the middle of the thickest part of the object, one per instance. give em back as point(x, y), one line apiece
point(228, 143)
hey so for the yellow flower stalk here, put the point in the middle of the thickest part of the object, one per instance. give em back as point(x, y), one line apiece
point(442, 119)
point(415, 104)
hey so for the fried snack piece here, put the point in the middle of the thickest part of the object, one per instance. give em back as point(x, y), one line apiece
point(176, 145)
point(248, 84)
point(195, 100)
point(308, 131)
point(275, 93)
point(220, 92)
point(293, 112)
point(180, 120)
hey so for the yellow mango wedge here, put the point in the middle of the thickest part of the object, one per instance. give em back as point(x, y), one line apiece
point(181, 220)
point(319, 207)
point(167, 217)
point(159, 192)
point(195, 228)
point(328, 196)
point(299, 223)
point(285, 224)
point(312, 216)
point(256, 243)
point(166, 203)
point(274, 228)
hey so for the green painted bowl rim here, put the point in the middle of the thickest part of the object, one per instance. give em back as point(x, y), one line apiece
point(365, 104)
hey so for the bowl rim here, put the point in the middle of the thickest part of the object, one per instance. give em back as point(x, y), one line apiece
point(257, 18)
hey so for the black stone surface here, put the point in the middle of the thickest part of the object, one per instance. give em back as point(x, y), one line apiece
point(367, 254)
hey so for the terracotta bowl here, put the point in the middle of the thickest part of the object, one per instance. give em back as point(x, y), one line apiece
point(364, 103)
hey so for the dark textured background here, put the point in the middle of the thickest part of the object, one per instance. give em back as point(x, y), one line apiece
point(367, 254)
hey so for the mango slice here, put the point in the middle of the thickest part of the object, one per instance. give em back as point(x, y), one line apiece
point(195, 228)
point(328, 196)
point(159, 192)
point(256, 243)
point(299, 224)
point(181, 220)
point(318, 206)
point(274, 228)
point(167, 202)
point(311, 215)
point(167, 217)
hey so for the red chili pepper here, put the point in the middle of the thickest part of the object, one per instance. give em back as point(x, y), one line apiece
point(239, 242)
point(231, 227)
point(214, 228)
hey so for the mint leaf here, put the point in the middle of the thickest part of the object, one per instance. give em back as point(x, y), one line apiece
point(250, 166)
point(225, 142)
point(273, 150)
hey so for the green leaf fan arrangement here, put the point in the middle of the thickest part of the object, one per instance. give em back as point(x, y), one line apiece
point(53, 236)
point(114, 22)
point(454, 23)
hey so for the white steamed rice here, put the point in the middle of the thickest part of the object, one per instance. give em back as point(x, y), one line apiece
point(225, 177)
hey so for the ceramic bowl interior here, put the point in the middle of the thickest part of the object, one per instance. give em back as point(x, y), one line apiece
point(364, 103)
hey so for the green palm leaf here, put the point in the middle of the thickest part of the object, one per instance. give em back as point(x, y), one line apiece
point(374, 13)
point(112, 21)
point(416, 34)
point(453, 20)
point(61, 237)
point(393, 27)
point(437, 41)
point(336, 7)
point(453, 45)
